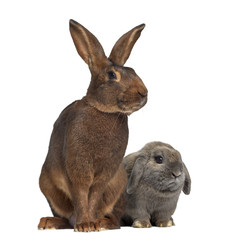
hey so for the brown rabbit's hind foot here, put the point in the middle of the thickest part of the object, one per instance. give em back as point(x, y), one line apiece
point(107, 224)
point(141, 223)
point(51, 223)
point(167, 223)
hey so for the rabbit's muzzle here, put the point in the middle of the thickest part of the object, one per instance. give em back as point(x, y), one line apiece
point(131, 102)
point(134, 95)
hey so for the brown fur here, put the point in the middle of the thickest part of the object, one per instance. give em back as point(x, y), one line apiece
point(82, 177)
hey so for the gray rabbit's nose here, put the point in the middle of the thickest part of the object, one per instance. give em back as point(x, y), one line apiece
point(176, 174)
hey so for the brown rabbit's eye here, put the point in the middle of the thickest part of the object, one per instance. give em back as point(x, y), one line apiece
point(158, 159)
point(112, 75)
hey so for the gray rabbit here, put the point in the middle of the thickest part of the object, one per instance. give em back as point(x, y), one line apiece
point(156, 177)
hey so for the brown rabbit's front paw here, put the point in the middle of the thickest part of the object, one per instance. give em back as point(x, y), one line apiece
point(167, 223)
point(86, 227)
point(141, 224)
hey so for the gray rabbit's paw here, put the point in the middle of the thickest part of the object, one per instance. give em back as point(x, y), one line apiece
point(167, 223)
point(141, 224)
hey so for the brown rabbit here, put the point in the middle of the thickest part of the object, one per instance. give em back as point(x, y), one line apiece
point(82, 177)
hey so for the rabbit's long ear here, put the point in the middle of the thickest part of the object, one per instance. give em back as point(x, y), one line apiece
point(124, 45)
point(187, 182)
point(136, 174)
point(87, 46)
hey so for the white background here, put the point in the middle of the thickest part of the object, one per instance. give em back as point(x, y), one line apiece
point(183, 57)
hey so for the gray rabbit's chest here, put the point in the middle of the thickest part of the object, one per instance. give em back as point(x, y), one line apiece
point(151, 202)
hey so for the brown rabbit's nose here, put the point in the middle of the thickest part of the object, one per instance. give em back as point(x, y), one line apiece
point(142, 94)
point(176, 174)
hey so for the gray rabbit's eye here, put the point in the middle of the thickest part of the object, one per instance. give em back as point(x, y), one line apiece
point(158, 159)
point(112, 75)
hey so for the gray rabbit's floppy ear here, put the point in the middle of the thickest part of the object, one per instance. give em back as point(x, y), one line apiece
point(87, 46)
point(136, 174)
point(124, 45)
point(187, 182)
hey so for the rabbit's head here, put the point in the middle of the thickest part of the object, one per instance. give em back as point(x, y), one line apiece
point(113, 87)
point(160, 166)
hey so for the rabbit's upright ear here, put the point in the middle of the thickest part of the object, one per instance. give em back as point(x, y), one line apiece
point(136, 174)
point(124, 45)
point(88, 46)
point(187, 182)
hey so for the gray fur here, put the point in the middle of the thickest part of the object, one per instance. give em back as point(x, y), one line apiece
point(153, 188)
